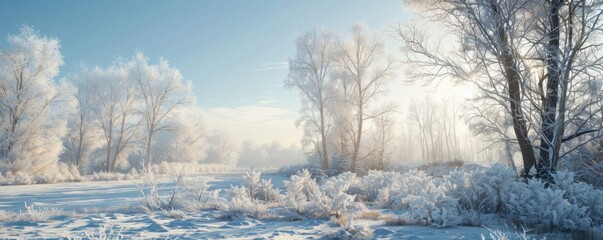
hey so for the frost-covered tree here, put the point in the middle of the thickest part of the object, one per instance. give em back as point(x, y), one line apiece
point(114, 113)
point(309, 74)
point(362, 59)
point(83, 136)
point(32, 119)
point(160, 89)
point(528, 59)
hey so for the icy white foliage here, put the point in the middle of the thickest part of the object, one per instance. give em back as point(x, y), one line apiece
point(60, 173)
point(535, 205)
point(481, 191)
point(582, 195)
point(32, 103)
point(305, 197)
point(241, 204)
point(342, 204)
point(189, 193)
point(260, 189)
point(370, 185)
point(427, 198)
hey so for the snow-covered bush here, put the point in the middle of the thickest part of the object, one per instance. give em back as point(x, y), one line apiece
point(532, 204)
point(427, 198)
point(339, 183)
point(305, 197)
point(411, 183)
point(582, 195)
point(369, 186)
point(241, 204)
point(342, 204)
point(195, 194)
point(260, 189)
point(480, 191)
point(149, 193)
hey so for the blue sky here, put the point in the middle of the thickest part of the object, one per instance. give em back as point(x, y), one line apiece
point(234, 51)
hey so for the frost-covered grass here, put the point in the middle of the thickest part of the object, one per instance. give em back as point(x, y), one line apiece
point(31, 214)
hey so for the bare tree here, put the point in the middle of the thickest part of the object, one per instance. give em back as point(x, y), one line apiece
point(161, 90)
point(82, 136)
point(363, 59)
point(114, 111)
point(309, 73)
point(524, 57)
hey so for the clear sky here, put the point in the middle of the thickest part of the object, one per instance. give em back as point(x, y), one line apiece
point(234, 51)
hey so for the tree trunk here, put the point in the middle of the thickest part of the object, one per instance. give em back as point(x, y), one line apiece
point(325, 157)
point(148, 157)
point(548, 128)
point(513, 77)
point(358, 132)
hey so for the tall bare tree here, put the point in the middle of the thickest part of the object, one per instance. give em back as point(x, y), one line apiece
point(161, 90)
point(114, 111)
point(362, 58)
point(309, 74)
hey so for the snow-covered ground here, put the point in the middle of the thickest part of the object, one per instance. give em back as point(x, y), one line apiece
point(112, 208)
point(112, 194)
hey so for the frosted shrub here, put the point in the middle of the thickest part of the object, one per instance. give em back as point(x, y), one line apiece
point(260, 189)
point(427, 198)
point(342, 204)
point(480, 191)
point(305, 197)
point(369, 186)
point(433, 207)
point(534, 205)
point(38, 214)
point(411, 183)
point(196, 194)
point(339, 183)
point(241, 204)
point(582, 195)
point(151, 199)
